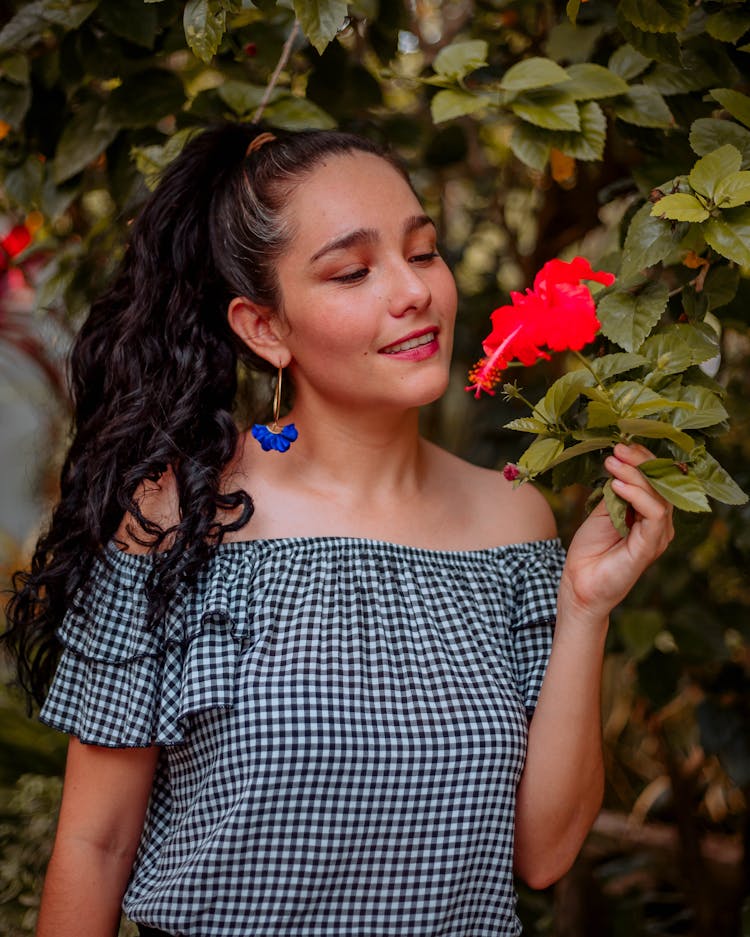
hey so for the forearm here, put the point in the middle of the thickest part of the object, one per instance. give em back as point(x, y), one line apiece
point(562, 784)
point(83, 889)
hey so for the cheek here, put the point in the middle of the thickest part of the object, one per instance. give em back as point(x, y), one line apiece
point(331, 335)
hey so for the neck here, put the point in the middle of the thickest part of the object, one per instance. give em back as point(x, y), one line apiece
point(374, 454)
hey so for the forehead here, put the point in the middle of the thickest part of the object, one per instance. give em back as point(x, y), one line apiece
point(349, 191)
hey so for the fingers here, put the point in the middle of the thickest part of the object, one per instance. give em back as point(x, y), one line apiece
point(632, 454)
point(654, 512)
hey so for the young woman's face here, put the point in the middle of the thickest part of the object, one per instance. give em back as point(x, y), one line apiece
point(368, 302)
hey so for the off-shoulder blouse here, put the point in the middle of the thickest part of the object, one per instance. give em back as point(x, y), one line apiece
point(343, 726)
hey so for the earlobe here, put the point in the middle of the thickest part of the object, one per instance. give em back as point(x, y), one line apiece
point(258, 327)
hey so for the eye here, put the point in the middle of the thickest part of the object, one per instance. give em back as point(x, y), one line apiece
point(424, 258)
point(352, 277)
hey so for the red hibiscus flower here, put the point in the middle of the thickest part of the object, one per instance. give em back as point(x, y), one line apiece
point(557, 314)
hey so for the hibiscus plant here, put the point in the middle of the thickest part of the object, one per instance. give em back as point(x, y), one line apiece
point(645, 378)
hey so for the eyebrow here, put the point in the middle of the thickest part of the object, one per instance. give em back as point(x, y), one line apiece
point(369, 236)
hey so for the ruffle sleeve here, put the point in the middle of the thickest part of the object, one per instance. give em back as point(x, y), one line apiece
point(122, 684)
point(535, 583)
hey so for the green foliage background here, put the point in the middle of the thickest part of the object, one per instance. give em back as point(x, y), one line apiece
point(618, 130)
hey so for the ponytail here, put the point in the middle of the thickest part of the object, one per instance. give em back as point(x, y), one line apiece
point(154, 377)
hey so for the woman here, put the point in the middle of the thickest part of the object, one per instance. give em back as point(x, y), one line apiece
point(309, 712)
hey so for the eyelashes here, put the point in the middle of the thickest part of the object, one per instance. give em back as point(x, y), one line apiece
point(357, 275)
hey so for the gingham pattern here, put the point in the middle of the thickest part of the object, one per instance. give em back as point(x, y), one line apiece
point(344, 724)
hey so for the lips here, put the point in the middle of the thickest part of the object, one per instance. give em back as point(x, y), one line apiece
point(409, 342)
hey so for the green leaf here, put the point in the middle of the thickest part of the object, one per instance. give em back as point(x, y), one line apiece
point(588, 144)
point(627, 318)
point(716, 481)
point(292, 113)
point(707, 133)
point(656, 429)
point(204, 22)
point(610, 365)
point(617, 509)
point(243, 98)
point(721, 285)
point(730, 235)
point(530, 145)
point(23, 184)
point(573, 43)
point(571, 10)
point(552, 110)
point(562, 395)
point(599, 414)
point(450, 103)
point(733, 190)
point(540, 455)
point(628, 62)
point(648, 241)
point(146, 97)
point(589, 81)
point(320, 19)
point(643, 107)
point(656, 16)
point(460, 58)
point(151, 161)
point(708, 411)
point(131, 20)
point(85, 137)
point(15, 101)
point(581, 448)
point(712, 168)
point(700, 68)
point(663, 47)
point(527, 425)
point(28, 24)
point(632, 399)
point(535, 72)
point(728, 25)
point(680, 346)
point(676, 484)
point(736, 103)
point(67, 14)
point(680, 207)
point(16, 69)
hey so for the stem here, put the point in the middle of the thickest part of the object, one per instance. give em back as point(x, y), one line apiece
point(624, 437)
point(283, 59)
point(697, 282)
point(587, 364)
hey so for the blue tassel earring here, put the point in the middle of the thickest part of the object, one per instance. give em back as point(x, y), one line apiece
point(273, 436)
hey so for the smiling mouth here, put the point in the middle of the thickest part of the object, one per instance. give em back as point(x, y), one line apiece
point(410, 343)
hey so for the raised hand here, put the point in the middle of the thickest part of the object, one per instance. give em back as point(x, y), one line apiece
point(602, 566)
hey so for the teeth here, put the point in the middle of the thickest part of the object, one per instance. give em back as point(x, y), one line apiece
point(412, 343)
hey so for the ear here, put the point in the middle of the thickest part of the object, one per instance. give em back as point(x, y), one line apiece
point(260, 329)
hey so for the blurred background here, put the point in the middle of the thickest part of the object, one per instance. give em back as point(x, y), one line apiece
point(96, 97)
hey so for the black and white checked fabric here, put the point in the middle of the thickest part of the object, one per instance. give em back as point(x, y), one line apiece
point(344, 725)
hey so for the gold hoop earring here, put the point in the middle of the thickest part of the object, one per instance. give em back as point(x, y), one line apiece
point(273, 436)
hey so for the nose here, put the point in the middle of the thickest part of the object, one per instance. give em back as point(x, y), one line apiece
point(409, 291)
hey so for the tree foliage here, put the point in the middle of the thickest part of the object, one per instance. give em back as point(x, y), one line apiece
point(619, 129)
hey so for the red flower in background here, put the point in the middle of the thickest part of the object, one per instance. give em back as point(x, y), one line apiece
point(14, 242)
point(557, 314)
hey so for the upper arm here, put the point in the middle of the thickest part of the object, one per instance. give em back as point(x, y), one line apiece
point(105, 796)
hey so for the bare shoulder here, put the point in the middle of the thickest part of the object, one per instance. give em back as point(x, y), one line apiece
point(500, 512)
point(159, 502)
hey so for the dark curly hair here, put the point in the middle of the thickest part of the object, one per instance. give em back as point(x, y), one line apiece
point(154, 376)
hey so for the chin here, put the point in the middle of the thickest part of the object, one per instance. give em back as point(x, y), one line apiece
point(431, 391)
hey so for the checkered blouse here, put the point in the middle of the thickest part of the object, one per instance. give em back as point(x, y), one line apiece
point(343, 724)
